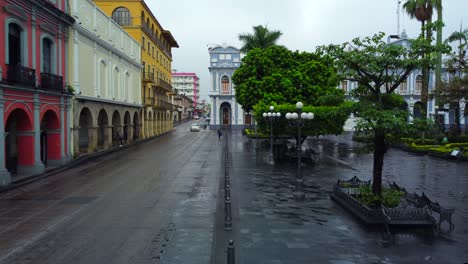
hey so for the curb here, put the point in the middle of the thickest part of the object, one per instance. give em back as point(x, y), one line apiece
point(74, 163)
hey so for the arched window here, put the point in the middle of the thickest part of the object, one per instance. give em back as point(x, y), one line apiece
point(225, 85)
point(418, 85)
point(121, 15)
point(116, 83)
point(47, 55)
point(14, 44)
point(102, 78)
point(127, 86)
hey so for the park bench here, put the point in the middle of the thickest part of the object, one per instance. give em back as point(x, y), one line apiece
point(407, 216)
point(422, 201)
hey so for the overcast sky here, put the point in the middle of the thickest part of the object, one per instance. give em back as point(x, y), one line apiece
point(305, 24)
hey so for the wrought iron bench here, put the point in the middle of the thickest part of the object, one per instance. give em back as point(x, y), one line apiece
point(422, 201)
point(407, 216)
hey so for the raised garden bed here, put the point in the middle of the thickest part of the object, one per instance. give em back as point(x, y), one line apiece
point(404, 215)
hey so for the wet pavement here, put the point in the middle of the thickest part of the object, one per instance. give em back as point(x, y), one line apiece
point(144, 204)
point(162, 202)
point(271, 227)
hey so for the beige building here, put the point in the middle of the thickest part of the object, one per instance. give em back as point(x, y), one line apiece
point(105, 73)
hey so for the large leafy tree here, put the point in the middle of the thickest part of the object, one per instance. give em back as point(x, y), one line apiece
point(379, 68)
point(262, 38)
point(423, 10)
point(280, 77)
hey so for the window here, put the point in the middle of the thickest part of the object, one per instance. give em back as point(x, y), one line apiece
point(221, 57)
point(402, 88)
point(143, 43)
point(228, 56)
point(102, 78)
point(344, 86)
point(46, 55)
point(418, 86)
point(225, 84)
point(153, 51)
point(235, 59)
point(14, 44)
point(121, 15)
point(149, 46)
point(214, 59)
point(116, 83)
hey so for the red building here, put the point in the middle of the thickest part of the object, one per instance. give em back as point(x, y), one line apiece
point(34, 104)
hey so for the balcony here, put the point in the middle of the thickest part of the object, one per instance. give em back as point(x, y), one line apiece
point(165, 105)
point(150, 101)
point(165, 86)
point(147, 29)
point(148, 77)
point(52, 82)
point(17, 74)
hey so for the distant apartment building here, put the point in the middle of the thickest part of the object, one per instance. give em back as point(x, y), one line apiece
point(188, 84)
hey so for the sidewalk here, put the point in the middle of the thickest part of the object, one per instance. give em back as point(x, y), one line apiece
point(271, 227)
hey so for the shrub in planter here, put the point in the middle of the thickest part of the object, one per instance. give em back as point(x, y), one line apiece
point(390, 197)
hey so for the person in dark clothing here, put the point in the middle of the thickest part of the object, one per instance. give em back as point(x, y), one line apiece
point(219, 133)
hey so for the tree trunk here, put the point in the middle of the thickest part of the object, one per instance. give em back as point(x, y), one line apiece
point(425, 73)
point(438, 71)
point(379, 153)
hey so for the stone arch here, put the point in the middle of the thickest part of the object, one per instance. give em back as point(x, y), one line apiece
point(50, 137)
point(102, 125)
point(84, 124)
point(116, 128)
point(19, 141)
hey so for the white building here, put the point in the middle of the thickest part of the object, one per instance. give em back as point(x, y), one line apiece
point(105, 72)
point(225, 111)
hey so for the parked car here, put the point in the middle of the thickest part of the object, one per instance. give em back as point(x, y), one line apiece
point(194, 128)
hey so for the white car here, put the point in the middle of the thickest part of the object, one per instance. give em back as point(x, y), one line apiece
point(194, 128)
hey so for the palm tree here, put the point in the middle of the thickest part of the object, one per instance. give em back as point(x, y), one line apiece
point(422, 10)
point(261, 38)
point(462, 38)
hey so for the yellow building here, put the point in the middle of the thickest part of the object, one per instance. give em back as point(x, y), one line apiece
point(156, 57)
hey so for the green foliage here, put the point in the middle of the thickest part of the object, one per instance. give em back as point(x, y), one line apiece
point(390, 197)
point(276, 75)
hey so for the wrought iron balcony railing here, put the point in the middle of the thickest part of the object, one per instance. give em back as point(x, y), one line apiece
point(17, 74)
point(52, 82)
point(148, 77)
point(164, 85)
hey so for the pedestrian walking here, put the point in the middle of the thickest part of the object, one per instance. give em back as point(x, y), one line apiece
point(219, 134)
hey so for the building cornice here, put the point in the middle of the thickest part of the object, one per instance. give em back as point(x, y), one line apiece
point(102, 100)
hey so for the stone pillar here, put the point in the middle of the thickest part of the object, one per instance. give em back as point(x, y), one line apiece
point(130, 133)
point(38, 166)
point(76, 140)
point(108, 137)
point(69, 153)
point(92, 139)
point(63, 158)
point(5, 177)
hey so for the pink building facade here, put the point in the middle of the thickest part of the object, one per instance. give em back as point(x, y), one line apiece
point(34, 102)
point(188, 84)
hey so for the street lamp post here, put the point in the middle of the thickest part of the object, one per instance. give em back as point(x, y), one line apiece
point(271, 116)
point(298, 119)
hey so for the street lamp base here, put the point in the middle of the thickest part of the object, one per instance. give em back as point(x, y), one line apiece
point(299, 195)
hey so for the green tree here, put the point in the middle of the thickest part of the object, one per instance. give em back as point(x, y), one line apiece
point(280, 77)
point(458, 61)
point(379, 69)
point(261, 38)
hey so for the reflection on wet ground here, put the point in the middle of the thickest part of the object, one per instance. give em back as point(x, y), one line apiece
point(274, 228)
